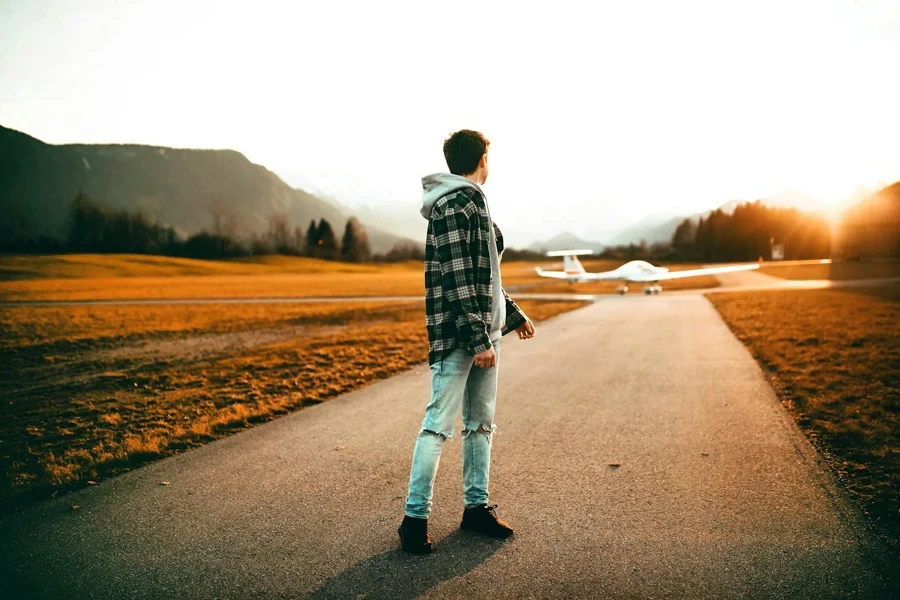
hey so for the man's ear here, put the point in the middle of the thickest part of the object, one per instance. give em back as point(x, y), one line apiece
point(483, 162)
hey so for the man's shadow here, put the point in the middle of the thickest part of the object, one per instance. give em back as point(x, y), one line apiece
point(397, 575)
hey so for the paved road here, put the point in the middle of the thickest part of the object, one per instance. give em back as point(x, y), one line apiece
point(746, 279)
point(718, 495)
point(754, 282)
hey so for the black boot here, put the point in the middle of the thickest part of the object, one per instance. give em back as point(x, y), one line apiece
point(483, 519)
point(414, 536)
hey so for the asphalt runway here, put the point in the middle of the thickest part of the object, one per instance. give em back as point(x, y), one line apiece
point(717, 494)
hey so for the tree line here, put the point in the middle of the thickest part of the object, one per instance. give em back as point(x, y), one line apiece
point(95, 228)
point(749, 234)
point(745, 235)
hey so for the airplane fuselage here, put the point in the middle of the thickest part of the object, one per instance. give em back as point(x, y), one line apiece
point(638, 268)
point(635, 271)
point(628, 272)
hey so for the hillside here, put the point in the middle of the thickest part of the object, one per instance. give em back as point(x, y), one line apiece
point(188, 189)
point(565, 241)
point(650, 229)
point(653, 230)
point(871, 227)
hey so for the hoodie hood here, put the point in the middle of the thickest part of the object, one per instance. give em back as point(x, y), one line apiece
point(438, 185)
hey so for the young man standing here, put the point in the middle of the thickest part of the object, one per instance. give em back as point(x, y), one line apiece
point(467, 312)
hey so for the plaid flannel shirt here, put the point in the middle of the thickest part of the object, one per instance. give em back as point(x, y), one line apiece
point(458, 281)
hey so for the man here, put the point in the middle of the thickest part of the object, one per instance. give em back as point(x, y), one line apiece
point(467, 312)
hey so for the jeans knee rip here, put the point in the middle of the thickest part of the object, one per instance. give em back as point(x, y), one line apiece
point(445, 435)
point(483, 429)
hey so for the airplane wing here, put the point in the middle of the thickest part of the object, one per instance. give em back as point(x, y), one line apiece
point(604, 276)
point(581, 277)
point(691, 273)
point(551, 274)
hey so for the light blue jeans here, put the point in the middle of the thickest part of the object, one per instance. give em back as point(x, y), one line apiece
point(455, 382)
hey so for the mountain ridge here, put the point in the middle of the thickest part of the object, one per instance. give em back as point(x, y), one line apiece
point(190, 189)
point(663, 231)
point(565, 241)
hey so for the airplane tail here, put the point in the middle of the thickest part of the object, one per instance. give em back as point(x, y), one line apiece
point(571, 264)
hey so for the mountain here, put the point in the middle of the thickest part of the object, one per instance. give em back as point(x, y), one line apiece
point(386, 210)
point(727, 208)
point(565, 241)
point(795, 199)
point(404, 220)
point(653, 229)
point(190, 190)
point(858, 195)
point(870, 227)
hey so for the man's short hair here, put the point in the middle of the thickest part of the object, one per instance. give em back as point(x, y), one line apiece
point(463, 151)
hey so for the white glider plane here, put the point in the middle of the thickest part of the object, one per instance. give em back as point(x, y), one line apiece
point(635, 271)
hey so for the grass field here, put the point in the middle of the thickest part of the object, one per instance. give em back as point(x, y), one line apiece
point(90, 391)
point(834, 359)
point(834, 271)
point(104, 266)
point(130, 277)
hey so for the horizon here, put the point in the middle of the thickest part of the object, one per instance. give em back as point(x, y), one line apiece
point(772, 97)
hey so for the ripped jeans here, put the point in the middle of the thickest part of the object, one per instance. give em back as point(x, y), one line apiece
point(455, 381)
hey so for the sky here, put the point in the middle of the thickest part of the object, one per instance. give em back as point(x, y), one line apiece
point(599, 113)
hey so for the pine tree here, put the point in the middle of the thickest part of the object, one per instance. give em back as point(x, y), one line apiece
point(683, 238)
point(279, 236)
point(299, 240)
point(355, 243)
point(312, 241)
point(326, 241)
point(88, 224)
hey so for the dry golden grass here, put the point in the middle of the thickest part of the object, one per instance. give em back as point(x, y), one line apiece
point(82, 277)
point(838, 270)
point(281, 285)
point(133, 277)
point(25, 326)
point(834, 359)
point(90, 391)
point(106, 266)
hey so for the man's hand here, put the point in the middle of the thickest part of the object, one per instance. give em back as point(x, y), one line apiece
point(486, 359)
point(525, 330)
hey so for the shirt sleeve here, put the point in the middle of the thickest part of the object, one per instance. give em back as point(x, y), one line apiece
point(515, 316)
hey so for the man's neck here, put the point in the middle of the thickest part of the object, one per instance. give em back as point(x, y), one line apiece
point(475, 178)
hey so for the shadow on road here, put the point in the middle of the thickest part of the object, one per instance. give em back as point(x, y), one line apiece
point(396, 575)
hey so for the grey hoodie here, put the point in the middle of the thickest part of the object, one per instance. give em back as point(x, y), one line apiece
point(435, 187)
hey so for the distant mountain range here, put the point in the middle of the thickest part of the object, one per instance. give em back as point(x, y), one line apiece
point(194, 190)
point(187, 189)
point(656, 227)
point(787, 199)
point(870, 228)
point(565, 241)
point(660, 228)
